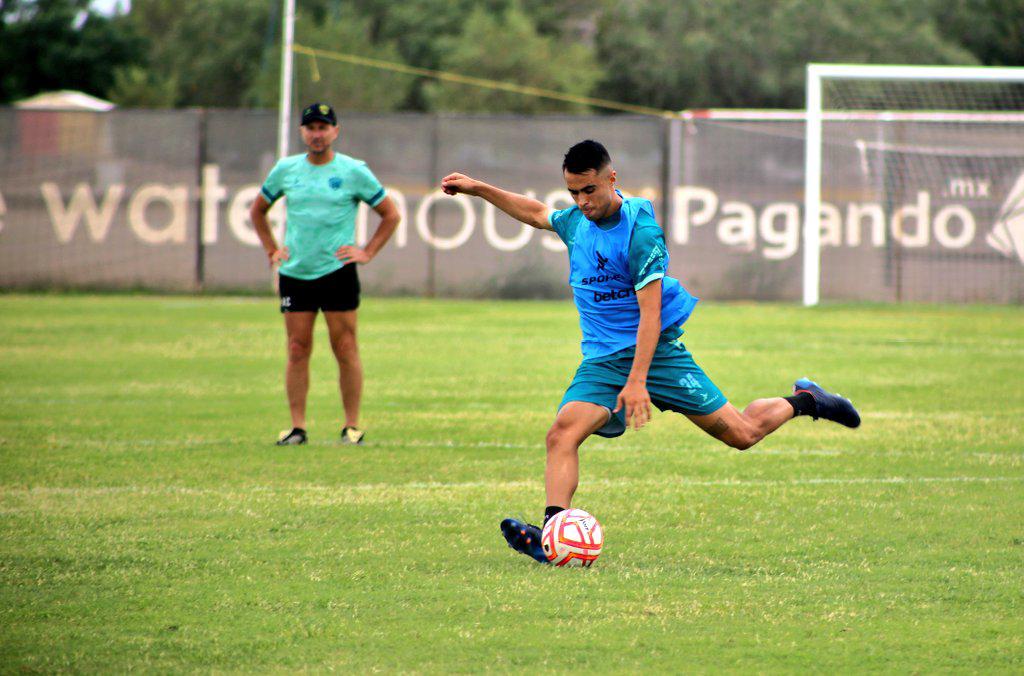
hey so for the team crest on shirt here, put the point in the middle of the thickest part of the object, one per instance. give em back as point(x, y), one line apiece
point(334, 182)
point(601, 260)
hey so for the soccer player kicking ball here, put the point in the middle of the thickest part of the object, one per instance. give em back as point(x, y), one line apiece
point(631, 314)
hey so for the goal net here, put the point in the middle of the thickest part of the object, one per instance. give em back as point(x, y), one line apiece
point(914, 184)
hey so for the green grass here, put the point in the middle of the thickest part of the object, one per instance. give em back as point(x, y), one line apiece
point(148, 523)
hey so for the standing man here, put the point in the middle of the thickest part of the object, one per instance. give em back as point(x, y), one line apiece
point(318, 260)
point(631, 314)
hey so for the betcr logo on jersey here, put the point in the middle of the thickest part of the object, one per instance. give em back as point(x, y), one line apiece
point(1007, 235)
point(614, 294)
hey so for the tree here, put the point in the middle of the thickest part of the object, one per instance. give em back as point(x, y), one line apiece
point(209, 51)
point(993, 30)
point(61, 44)
point(691, 54)
point(507, 47)
point(138, 87)
point(344, 85)
point(424, 30)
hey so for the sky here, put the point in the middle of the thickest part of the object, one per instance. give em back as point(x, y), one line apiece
point(111, 6)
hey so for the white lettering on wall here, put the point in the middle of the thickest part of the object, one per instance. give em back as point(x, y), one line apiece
point(737, 226)
point(176, 200)
point(465, 229)
point(683, 215)
point(831, 226)
point(499, 242)
point(855, 215)
point(942, 226)
point(402, 231)
point(158, 213)
point(919, 214)
point(213, 193)
point(65, 220)
point(241, 225)
point(785, 239)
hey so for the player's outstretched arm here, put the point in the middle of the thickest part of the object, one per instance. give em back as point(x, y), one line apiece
point(520, 207)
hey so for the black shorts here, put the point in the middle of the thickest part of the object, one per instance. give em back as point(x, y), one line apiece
point(336, 291)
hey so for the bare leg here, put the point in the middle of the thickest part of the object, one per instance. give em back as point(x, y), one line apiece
point(743, 430)
point(576, 421)
point(299, 327)
point(341, 326)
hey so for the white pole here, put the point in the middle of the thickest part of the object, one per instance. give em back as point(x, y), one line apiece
point(284, 106)
point(812, 189)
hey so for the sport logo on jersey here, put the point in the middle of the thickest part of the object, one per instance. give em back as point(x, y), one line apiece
point(600, 279)
point(601, 260)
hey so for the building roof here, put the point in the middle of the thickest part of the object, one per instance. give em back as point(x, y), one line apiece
point(65, 99)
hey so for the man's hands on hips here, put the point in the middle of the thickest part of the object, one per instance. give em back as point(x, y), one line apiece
point(637, 402)
point(453, 184)
point(279, 255)
point(352, 254)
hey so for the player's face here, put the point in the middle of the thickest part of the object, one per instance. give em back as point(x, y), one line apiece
point(318, 136)
point(593, 191)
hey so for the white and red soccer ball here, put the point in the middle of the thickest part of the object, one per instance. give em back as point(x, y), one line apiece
point(572, 537)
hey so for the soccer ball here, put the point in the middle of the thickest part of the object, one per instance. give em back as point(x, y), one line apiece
point(572, 537)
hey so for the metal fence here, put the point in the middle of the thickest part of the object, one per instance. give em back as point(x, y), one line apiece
point(160, 199)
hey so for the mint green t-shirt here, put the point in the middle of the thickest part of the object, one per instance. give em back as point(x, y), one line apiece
point(323, 201)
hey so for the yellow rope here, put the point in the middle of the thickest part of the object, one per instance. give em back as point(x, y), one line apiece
point(480, 82)
point(315, 74)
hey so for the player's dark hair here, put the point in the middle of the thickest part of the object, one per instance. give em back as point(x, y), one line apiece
point(584, 156)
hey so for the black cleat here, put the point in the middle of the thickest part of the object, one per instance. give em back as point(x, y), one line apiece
point(830, 406)
point(352, 435)
point(524, 538)
point(294, 438)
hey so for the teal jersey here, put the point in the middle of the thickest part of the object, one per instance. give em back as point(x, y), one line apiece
point(323, 201)
point(648, 256)
point(608, 264)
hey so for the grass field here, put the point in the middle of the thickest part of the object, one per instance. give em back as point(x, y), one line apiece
point(147, 522)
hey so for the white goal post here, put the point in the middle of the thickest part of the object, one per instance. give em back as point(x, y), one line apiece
point(820, 74)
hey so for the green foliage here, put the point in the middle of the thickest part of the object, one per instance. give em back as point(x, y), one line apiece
point(993, 30)
point(507, 48)
point(731, 53)
point(149, 524)
point(60, 44)
point(420, 26)
point(137, 87)
point(661, 53)
point(425, 30)
point(346, 86)
point(209, 51)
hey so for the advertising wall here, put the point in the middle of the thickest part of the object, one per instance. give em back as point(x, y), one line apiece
point(160, 199)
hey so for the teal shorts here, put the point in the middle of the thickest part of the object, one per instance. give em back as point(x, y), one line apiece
point(674, 381)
